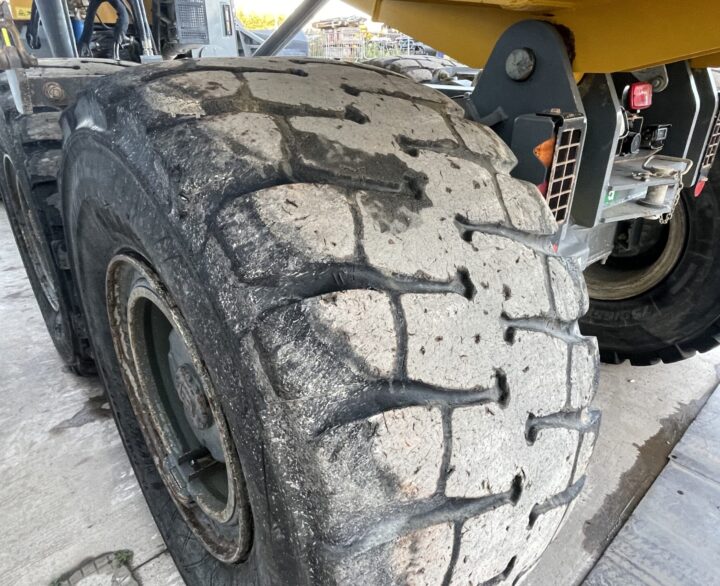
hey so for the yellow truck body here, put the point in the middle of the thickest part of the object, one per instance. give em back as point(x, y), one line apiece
point(607, 35)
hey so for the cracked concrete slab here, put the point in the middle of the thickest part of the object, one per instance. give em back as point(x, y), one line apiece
point(70, 494)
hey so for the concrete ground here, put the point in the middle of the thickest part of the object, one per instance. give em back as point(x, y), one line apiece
point(672, 537)
point(69, 494)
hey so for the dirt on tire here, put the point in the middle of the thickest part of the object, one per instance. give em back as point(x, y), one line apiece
point(376, 299)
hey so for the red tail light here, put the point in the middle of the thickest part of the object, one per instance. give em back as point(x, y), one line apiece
point(640, 95)
point(699, 186)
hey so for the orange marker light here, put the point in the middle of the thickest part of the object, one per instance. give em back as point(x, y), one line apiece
point(544, 151)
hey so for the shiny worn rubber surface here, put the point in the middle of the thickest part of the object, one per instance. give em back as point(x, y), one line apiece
point(377, 302)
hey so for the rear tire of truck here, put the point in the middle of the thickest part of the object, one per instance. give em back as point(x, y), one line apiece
point(31, 150)
point(334, 336)
point(661, 304)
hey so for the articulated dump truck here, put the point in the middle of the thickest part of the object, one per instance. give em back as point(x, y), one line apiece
point(350, 324)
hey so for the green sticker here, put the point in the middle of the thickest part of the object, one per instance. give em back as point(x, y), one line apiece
point(610, 197)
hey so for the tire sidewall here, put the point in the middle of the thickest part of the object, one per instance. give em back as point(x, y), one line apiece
point(108, 212)
point(58, 322)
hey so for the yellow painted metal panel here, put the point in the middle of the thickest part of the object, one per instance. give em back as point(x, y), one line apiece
point(464, 31)
point(107, 14)
point(621, 35)
point(706, 61)
point(610, 35)
point(21, 12)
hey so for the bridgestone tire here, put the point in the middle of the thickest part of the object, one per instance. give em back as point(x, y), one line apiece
point(395, 347)
point(31, 150)
point(681, 315)
point(420, 68)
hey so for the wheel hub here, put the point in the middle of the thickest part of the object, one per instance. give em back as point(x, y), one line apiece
point(627, 276)
point(178, 411)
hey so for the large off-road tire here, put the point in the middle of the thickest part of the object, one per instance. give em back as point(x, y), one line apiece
point(31, 150)
point(421, 68)
point(666, 307)
point(374, 314)
point(30, 155)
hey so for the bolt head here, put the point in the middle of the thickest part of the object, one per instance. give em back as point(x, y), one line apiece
point(54, 91)
point(520, 64)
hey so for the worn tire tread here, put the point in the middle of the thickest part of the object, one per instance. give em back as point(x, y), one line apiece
point(319, 138)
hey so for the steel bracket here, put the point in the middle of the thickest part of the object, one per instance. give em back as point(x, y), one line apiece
point(528, 72)
point(705, 126)
point(528, 95)
point(54, 83)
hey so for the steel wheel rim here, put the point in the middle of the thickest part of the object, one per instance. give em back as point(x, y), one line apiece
point(606, 284)
point(178, 412)
point(30, 234)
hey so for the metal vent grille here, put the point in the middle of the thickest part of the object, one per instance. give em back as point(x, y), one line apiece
point(563, 174)
point(192, 24)
point(713, 144)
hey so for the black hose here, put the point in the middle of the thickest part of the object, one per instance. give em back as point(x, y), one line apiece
point(119, 30)
point(131, 10)
point(31, 35)
point(156, 24)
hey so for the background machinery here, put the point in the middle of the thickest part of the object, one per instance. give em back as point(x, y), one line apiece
point(341, 315)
